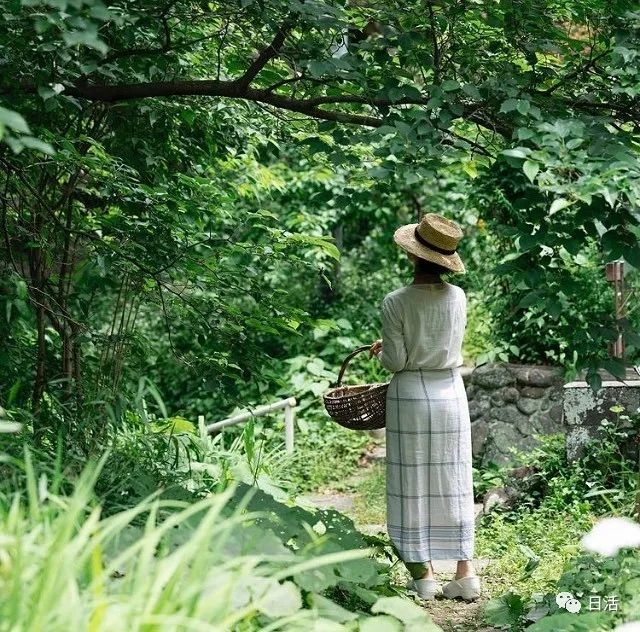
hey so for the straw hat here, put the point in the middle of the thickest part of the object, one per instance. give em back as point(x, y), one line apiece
point(435, 239)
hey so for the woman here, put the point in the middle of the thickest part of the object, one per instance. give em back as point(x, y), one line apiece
point(430, 514)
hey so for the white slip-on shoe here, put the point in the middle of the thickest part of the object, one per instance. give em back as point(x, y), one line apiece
point(468, 588)
point(426, 588)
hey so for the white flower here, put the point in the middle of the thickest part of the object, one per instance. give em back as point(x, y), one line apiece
point(609, 535)
point(631, 626)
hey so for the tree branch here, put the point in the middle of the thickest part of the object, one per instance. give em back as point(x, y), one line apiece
point(235, 90)
point(266, 55)
point(577, 71)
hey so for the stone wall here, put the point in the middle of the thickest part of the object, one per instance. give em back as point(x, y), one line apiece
point(584, 410)
point(509, 404)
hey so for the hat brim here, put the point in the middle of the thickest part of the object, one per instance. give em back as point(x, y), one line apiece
point(406, 239)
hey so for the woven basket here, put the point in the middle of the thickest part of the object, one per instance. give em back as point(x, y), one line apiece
point(360, 407)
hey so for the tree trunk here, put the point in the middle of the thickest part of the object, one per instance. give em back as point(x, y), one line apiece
point(41, 361)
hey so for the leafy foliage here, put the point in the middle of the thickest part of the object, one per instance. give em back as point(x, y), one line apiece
point(538, 541)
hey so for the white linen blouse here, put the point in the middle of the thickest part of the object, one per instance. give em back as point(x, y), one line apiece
point(423, 327)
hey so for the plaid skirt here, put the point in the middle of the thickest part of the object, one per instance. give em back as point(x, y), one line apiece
point(430, 513)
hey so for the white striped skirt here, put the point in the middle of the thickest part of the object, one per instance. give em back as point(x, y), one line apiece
point(430, 513)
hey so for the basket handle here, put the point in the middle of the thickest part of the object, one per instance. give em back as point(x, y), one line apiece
point(348, 359)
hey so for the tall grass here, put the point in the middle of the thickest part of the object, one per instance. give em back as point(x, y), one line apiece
point(160, 534)
point(160, 565)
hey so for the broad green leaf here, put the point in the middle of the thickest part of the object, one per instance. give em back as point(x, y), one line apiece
point(505, 611)
point(330, 609)
point(412, 616)
point(517, 152)
point(509, 105)
point(37, 144)
point(472, 91)
point(14, 121)
point(87, 38)
point(450, 85)
point(558, 204)
point(570, 622)
point(280, 600)
point(531, 169)
point(381, 623)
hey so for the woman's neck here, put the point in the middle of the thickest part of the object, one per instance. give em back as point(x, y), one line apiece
point(426, 278)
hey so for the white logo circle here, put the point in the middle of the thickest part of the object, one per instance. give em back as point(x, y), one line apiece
point(562, 598)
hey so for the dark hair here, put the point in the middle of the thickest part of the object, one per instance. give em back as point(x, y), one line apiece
point(422, 266)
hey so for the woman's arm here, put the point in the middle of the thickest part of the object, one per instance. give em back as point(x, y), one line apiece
point(393, 355)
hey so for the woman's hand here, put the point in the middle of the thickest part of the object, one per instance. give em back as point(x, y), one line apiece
point(375, 348)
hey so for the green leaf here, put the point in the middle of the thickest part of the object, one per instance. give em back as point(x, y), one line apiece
point(318, 388)
point(471, 90)
point(505, 611)
point(529, 299)
point(524, 133)
point(558, 204)
point(509, 105)
point(574, 142)
point(249, 438)
point(382, 623)
point(329, 609)
point(570, 622)
point(412, 615)
point(616, 367)
point(280, 600)
point(517, 152)
point(378, 172)
point(450, 85)
point(14, 121)
point(581, 260)
point(593, 379)
point(174, 425)
point(87, 38)
point(39, 145)
point(531, 169)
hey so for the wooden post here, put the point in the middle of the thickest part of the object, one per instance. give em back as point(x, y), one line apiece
point(615, 276)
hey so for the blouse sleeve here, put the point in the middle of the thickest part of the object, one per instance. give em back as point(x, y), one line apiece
point(393, 356)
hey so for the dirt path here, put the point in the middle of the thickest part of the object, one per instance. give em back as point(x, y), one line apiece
point(361, 497)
